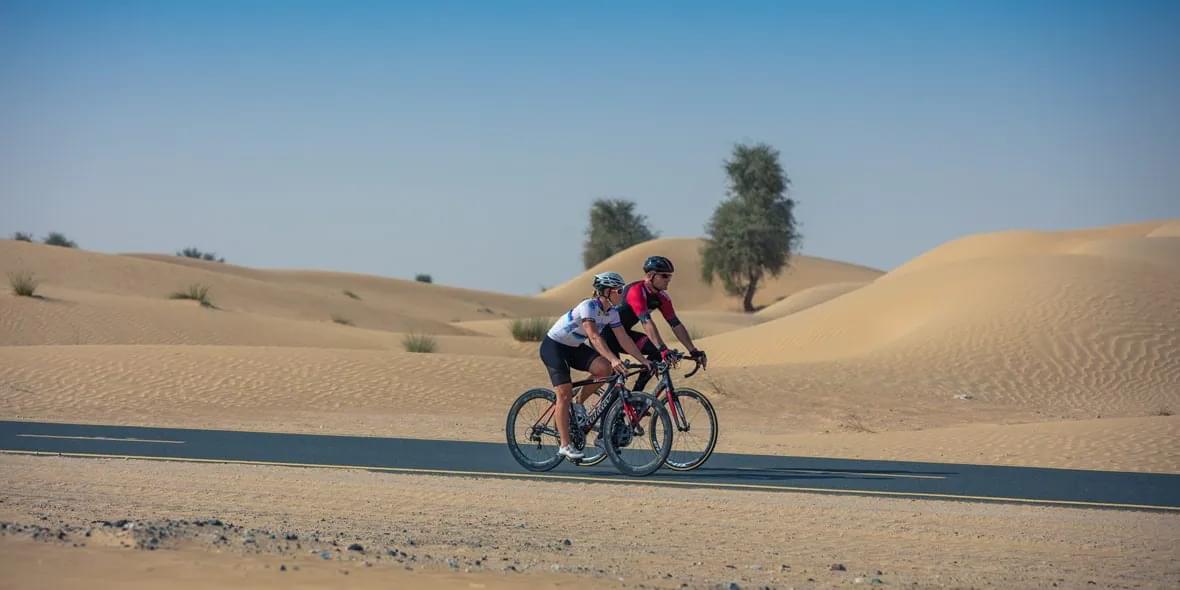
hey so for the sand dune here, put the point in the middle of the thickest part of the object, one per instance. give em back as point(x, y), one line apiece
point(1160, 251)
point(1022, 243)
point(79, 317)
point(1067, 335)
point(384, 304)
point(689, 292)
point(807, 298)
point(267, 388)
point(449, 303)
point(1167, 229)
point(1104, 310)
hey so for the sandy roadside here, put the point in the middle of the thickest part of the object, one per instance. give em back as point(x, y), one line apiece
point(653, 537)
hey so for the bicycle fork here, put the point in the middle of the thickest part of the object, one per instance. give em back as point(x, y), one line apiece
point(674, 407)
point(677, 411)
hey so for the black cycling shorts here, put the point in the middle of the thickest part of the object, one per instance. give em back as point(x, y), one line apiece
point(559, 359)
point(646, 346)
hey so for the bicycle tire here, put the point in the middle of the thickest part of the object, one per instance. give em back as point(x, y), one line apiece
point(616, 418)
point(591, 460)
point(679, 461)
point(540, 463)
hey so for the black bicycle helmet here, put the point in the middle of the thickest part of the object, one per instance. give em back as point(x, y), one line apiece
point(658, 264)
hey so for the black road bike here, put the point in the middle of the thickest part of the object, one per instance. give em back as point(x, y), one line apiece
point(634, 428)
point(692, 415)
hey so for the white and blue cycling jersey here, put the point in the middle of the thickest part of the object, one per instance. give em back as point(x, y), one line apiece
point(568, 328)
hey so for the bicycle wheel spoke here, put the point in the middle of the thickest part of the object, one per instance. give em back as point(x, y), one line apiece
point(532, 435)
point(530, 431)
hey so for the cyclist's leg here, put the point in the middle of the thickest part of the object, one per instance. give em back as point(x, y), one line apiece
point(557, 363)
point(565, 391)
point(599, 366)
point(587, 359)
point(649, 350)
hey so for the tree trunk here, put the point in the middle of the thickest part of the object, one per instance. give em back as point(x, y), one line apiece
point(748, 301)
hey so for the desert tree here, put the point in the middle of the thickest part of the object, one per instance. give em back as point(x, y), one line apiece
point(614, 227)
point(752, 233)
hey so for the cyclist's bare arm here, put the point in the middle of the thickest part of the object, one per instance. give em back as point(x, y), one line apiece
point(629, 345)
point(652, 331)
point(600, 345)
point(682, 335)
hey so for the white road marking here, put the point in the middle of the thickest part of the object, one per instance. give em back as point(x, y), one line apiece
point(823, 472)
point(138, 440)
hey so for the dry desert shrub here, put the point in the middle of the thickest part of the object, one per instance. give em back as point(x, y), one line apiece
point(418, 343)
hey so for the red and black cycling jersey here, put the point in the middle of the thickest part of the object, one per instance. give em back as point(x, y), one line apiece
point(638, 303)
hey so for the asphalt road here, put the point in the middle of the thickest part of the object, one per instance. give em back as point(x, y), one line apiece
point(1103, 489)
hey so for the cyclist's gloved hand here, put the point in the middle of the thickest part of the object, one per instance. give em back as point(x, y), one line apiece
point(699, 356)
point(647, 365)
point(668, 356)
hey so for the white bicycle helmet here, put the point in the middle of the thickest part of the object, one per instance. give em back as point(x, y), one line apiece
point(608, 280)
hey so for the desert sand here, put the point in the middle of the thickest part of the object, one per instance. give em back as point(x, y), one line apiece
point(463, 532)
point(1052, 349)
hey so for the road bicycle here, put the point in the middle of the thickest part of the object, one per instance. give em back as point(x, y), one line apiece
point(619, 416)
point(692, 414)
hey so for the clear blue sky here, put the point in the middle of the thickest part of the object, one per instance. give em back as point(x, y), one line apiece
point(468, 140)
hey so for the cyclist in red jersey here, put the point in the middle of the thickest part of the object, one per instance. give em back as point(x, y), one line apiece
point(639, 299)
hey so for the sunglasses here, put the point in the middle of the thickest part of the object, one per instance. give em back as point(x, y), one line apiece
point(664, 275)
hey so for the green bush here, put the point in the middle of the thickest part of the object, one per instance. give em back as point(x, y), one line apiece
point(59, 239)
point(21, 236)
point(339, 319)
point(351, 294)
point(424, 278)
point(199, 255)
point(530, 329)
point(418, 343)
point(195, 292)
point(23, 283)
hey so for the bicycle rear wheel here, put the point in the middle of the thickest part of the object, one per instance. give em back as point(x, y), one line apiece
point(696, 430)
point(634, 451)
point(532, 430)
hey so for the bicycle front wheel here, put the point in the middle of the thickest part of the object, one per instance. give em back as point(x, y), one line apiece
point(532, 430)
point(696, 430)
point(637, 450)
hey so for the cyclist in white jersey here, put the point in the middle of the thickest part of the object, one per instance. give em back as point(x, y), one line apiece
point(565, 347)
